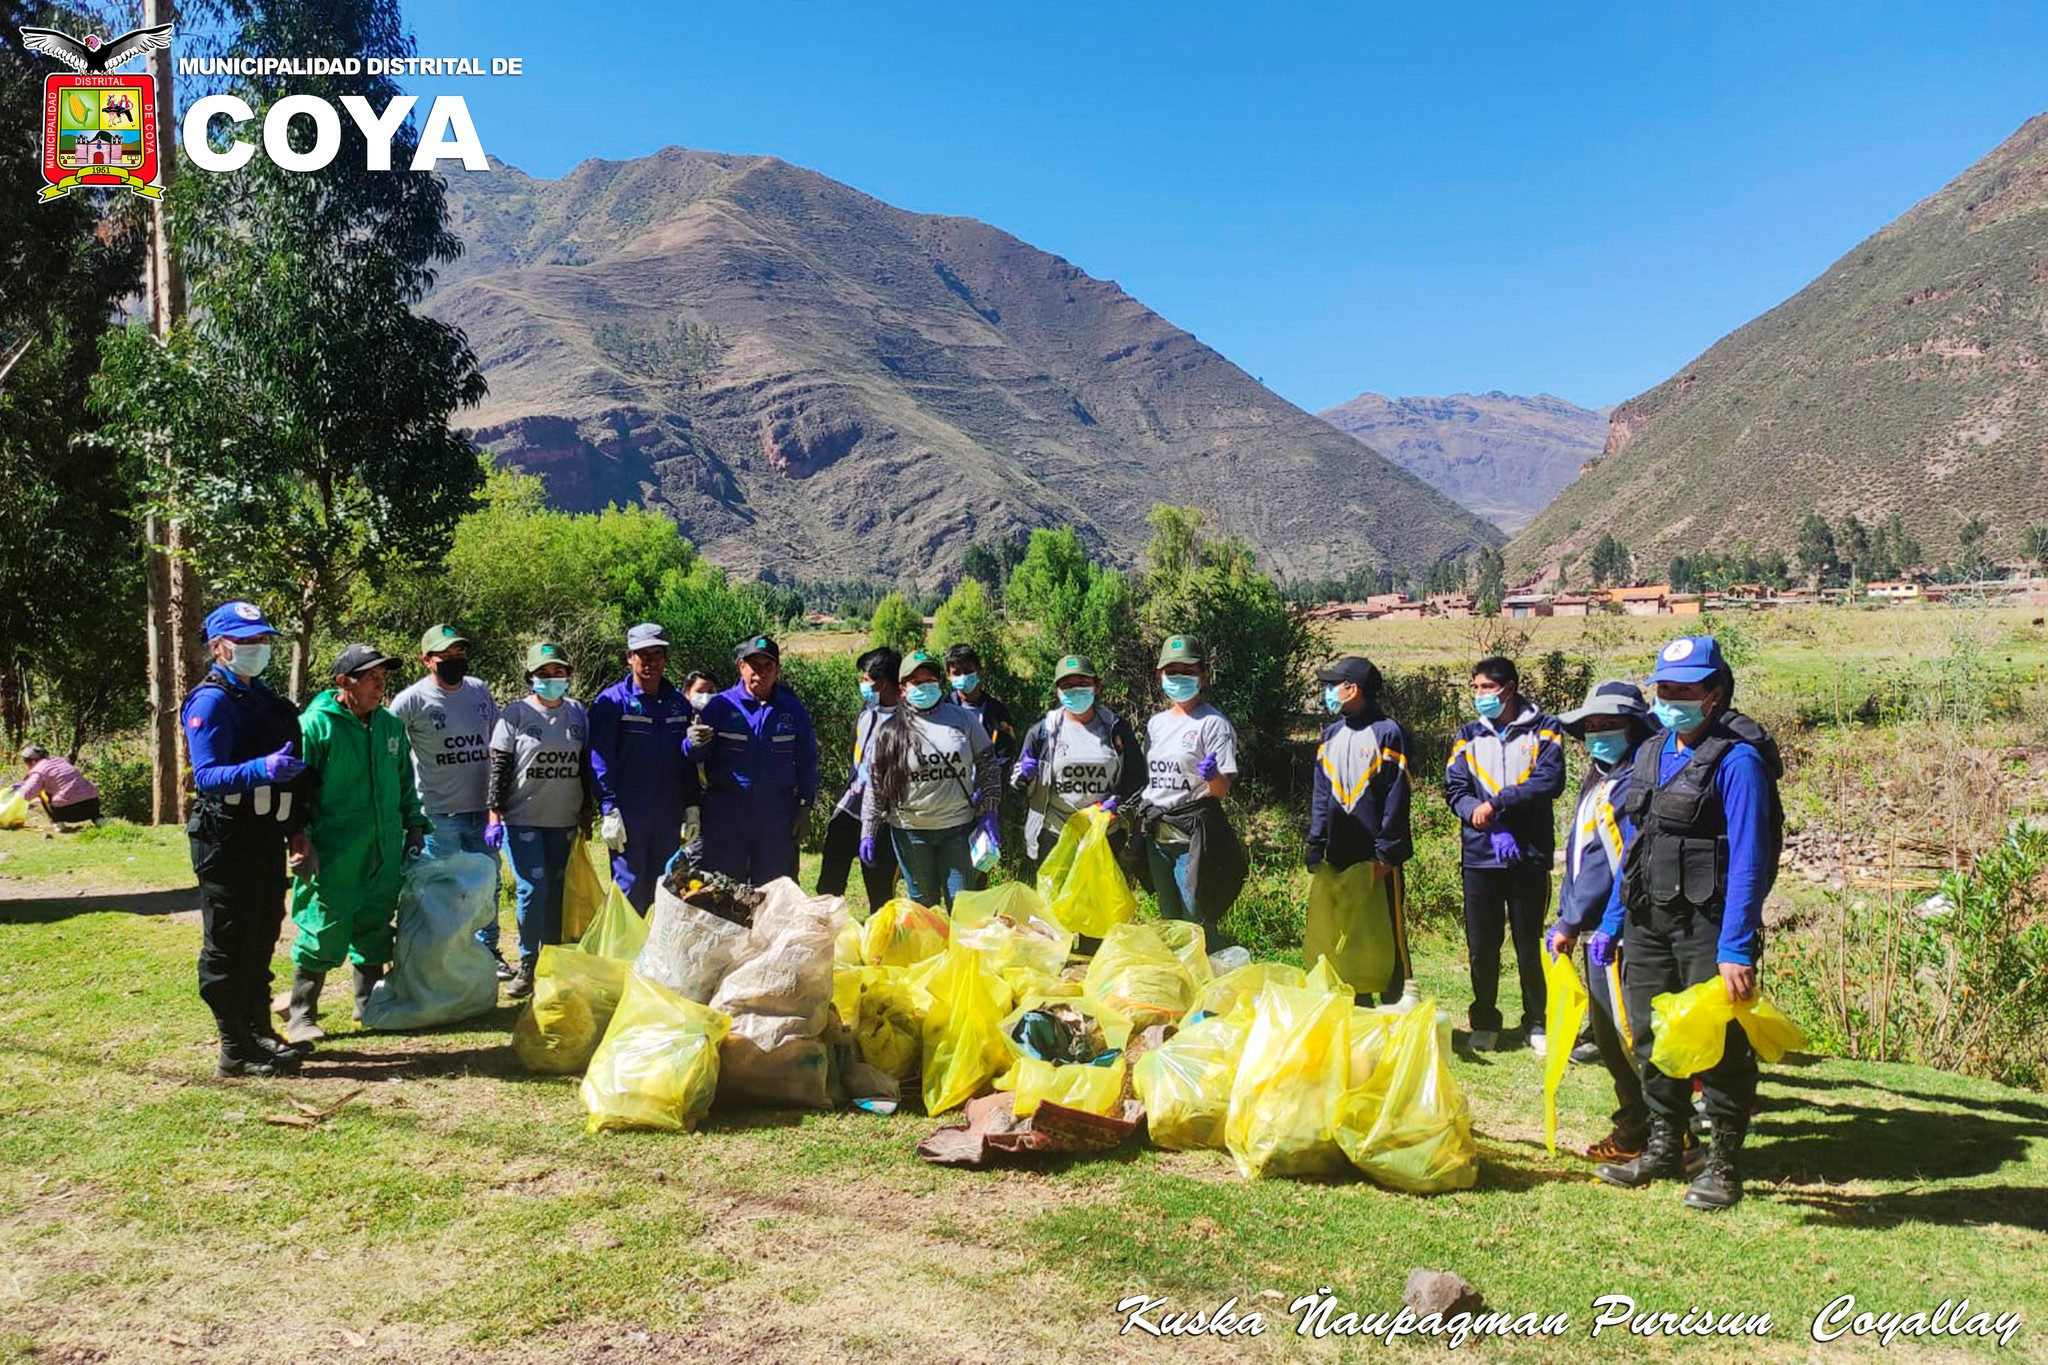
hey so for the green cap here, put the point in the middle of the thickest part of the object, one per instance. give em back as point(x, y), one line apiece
point(915, 660)
point(440, 638)
point(545, 652)
point(1075, 666)
point(1180, 649)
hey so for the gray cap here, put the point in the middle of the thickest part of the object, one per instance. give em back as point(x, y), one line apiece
point(1614, 698)
point(646, 635)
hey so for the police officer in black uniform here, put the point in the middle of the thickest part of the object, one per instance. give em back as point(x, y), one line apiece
point(249, 813)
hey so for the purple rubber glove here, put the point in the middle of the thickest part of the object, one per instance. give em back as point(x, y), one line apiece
point(494, 836)
point(1554, 933)
point(1600, 948)
point(1505, 849)
point(1027, 768)
point(986, 825)
point(281, 766)
point(1110, 805)
point(867, 852)
point(1208, 769)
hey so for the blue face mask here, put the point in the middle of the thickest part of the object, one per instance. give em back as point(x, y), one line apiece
point(1180, 686)
point(1330, 701)
point(867, 692)
point(250, 660)
point(924, 696)
point(551, 689)
point(1683, 717)
point(1078, 701)
point(1606, 746)
point(1489, 704)
point(966, 682)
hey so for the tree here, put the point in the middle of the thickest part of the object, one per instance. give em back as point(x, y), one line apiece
point(2034, 545)
point(1971, 557)
point(896, 625)
point(1492, 583)
point(303, 340)
point(966, 618)
point(1611, 563)
point(1853, 543)
point(1816, 549)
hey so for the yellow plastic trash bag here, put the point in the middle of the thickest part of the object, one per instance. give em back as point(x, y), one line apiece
point(903, 932)
point(888, 1031)
point(1371, 1031)
point(1283, 1100)
point(1080, 879)
point(846, 949)
point(1323, 979)
point(1562, 1015)
point(1350, 922)
point(1190, 943)
point(1071, 1085)
point(1241, 987)
point(1410, 1128)
point(13, 810)
point(1184, 1083)
point(1689, 1030)
point(1136, 975)
point(618, 932)
point(658, 1064)
point(1013, 931)
point(575, 995)
point(964, 1047)
point(583, 891)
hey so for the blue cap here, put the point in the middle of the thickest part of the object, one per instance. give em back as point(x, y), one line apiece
point(1688, 659)
point(237, 621)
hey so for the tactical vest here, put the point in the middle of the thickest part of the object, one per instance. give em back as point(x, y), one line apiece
point(265, 723)
point(1678, 860)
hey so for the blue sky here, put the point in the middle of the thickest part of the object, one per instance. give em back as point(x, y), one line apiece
point(1413, 199)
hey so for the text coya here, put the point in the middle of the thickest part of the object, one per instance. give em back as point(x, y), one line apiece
point(449, 134)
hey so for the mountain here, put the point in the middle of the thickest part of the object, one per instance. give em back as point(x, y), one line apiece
point(810, 380)
point(1499, 454)
point(1911, 378)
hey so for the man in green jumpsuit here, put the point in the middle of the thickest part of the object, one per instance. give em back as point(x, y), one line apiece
point(365, 819)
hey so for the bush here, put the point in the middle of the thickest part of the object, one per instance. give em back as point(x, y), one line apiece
point(829, 688)
point(123, 780)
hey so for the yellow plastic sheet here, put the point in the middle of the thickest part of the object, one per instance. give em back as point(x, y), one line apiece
point(1137, 976)
point(1689, 1030)
point(658, 1064)
point(1071, 1085)
point(618, 932)
point(964, 1047)
point(1562, 1015)
point(1350, 922)
point(1295, 1069)
point(1242, 986)
point(1410, 1128)
point(583, 891)
point(903, 933)
point(1080, 879)
point(1184, 1083)
point(575, 995)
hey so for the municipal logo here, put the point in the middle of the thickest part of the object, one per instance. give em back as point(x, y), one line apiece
point(1676, 650)
point(99, 127)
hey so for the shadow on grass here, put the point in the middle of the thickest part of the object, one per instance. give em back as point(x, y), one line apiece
point(52, 909)
point(1972, 1207)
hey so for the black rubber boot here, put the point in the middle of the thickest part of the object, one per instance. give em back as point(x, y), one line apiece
point(1720, 1184)
point(521, 984)
point(1663, 1158)
point(366, 979)
point(242, 1055)
point(302, 1020)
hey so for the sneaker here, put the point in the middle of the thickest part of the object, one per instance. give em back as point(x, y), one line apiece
point(1617, 1147)
point(500, 965)
point(521, 984)
point(1586, 1053)
point(1539, 1042)
point(1482, 1040)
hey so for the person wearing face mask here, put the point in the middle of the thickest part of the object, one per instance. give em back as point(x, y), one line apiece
point(646, 786)
point(248, 815)
point(365, 821)
point(880, 695)
point(760, 758)
point(932, 787)
point(963, 672)
point(1708, 829)
point(448, 717)
point(539, 794)
point(1505, 770)
point(1359, 814)
point(698, 689)
point(1612, 724)
point(1078, 754)
point(1186, 854)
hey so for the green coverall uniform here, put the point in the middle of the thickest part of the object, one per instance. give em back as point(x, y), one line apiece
point(365, 804)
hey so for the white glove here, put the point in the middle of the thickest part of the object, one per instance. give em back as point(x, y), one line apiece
point(693, 824)
point(613, 827)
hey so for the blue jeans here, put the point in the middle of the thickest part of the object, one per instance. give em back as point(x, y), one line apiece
point(540, 867)
point(1170, 865)
point(935, 862)
point(464, 833)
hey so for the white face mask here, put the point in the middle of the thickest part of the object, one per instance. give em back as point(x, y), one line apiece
point(250, 660)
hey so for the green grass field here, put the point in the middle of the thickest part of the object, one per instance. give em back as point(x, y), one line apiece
point(455, 1209)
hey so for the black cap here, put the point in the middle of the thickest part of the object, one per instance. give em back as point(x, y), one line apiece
point(1352, 668)
point(759, 644)
point(359, 659)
